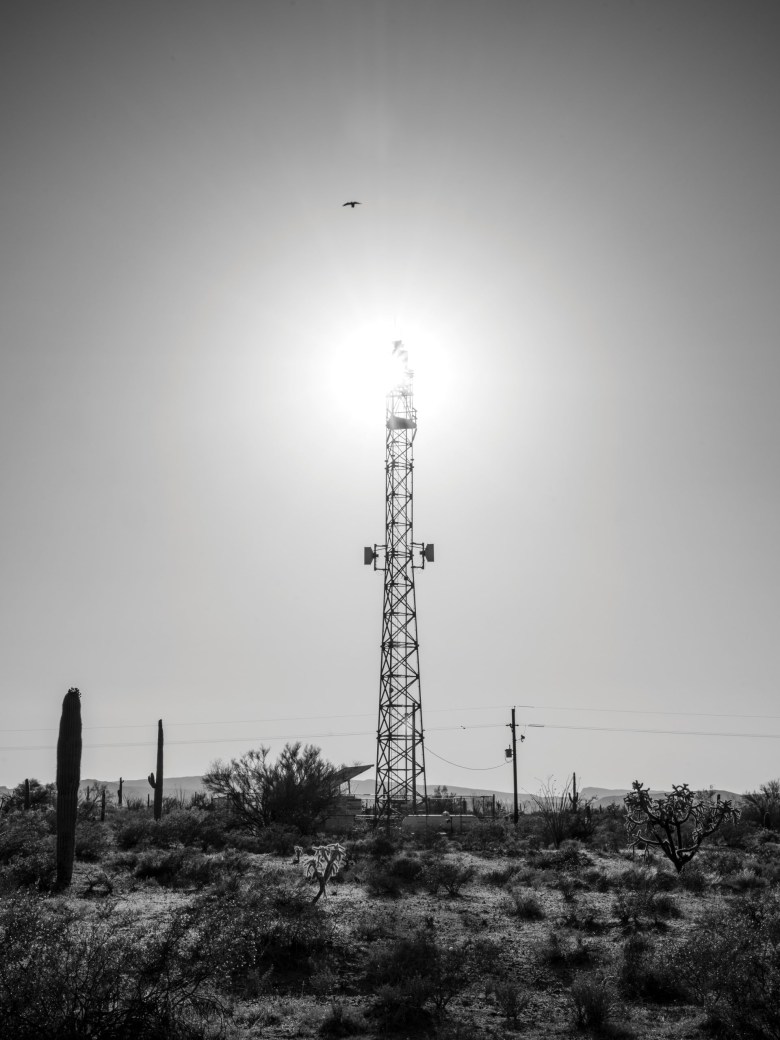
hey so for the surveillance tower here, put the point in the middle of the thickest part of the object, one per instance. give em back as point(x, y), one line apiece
point(400, 752)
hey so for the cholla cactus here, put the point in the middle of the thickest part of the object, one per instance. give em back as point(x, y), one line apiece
point(664, 822)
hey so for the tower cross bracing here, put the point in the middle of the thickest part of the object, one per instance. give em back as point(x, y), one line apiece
point(400, 761)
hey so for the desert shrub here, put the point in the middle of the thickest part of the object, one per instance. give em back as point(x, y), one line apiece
point(380, 881)
point(568, 886)
point(406, 868)
point(489, 837)
point(278, 839)
point(161, 866)
point(609, 832)
point(21, 833)
point(35, 869)
point(693, 879)
point(566, 856)
point(511, 998)
point(583, 918)
point(745, 880)
point(390, 878)
point(27, 851)
point(731, 967)
point(524, 905)
point(91, 841)
point(105, 978)
point(198, 828)
point(558, 953)
point(632, 908)
point(412, 975)
point(339, 1021)
point(449, 874)
point(381, 845)
point(42, 797)
point(593, 1001)
point(725, 861)
point(500, 876)
point(762, 807)
point(268, 930)
point(370, 926)
point(132, 829)
point(185, 867)
point(646, 972)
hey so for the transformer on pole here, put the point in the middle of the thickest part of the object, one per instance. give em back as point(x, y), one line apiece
point(400, 754)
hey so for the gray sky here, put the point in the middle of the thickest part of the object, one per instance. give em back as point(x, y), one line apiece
point(570, 215)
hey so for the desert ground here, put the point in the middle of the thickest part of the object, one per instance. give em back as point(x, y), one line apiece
point(183, 927)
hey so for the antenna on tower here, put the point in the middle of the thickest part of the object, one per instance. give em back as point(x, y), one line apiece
point(400, 754)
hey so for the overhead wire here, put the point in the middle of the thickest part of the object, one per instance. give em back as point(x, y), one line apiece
point(432, 729)
point(428, 712)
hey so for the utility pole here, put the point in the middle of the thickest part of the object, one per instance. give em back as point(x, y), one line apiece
point(512, 753)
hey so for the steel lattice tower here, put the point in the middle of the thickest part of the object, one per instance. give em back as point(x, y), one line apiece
point(400, 755)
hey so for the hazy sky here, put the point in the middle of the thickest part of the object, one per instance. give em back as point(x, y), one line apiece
point(570, 215)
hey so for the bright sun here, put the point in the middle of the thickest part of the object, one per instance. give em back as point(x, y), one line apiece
point(363, 367)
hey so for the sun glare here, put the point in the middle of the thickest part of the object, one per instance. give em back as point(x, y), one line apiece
point(363, 367)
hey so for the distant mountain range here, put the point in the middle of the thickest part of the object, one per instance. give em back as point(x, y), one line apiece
point(186, 786)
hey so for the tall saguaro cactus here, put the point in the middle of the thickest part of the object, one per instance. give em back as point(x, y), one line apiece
point(68, 776)
point(156, 783)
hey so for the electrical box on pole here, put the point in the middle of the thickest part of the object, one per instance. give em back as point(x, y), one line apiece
point(400, 757)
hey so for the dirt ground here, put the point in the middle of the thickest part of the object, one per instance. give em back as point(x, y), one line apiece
point(576, 916)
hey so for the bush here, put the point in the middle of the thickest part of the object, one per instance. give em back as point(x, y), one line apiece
point(91, 841)
point(647, 973)
point(567, 856)
point(556, 954)
point(410, 974)
point(278, 839)
point(27, 851)
point(133, 829)
point(105, 978)
point(593, 1001)
point(22, 832)
point(266, 931)
point(340, 1022)
point(37, 869)
point(381, 881)
point(500, 876)
point(451, 875)
point(524, 905)
point(511, 998)
point(731, 967)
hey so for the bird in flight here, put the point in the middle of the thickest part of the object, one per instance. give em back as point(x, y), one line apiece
point(352, 204)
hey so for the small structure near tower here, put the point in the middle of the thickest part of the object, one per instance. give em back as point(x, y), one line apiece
point(400, 756)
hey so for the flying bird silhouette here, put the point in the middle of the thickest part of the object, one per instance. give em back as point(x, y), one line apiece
point(352, 204)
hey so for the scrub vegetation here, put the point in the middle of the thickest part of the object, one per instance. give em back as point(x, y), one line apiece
point(196, 925)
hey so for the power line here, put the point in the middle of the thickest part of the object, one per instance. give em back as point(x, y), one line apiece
point(429, 711)
point(431, 729)
point(669, 732)
point(473, 769)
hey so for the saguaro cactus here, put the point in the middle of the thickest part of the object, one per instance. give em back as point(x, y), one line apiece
point(68, 776)
point(27, 794)
point(156, 783)
point(574, 797)
point(119, 792)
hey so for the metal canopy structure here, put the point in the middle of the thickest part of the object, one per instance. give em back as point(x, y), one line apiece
point(400, 757)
